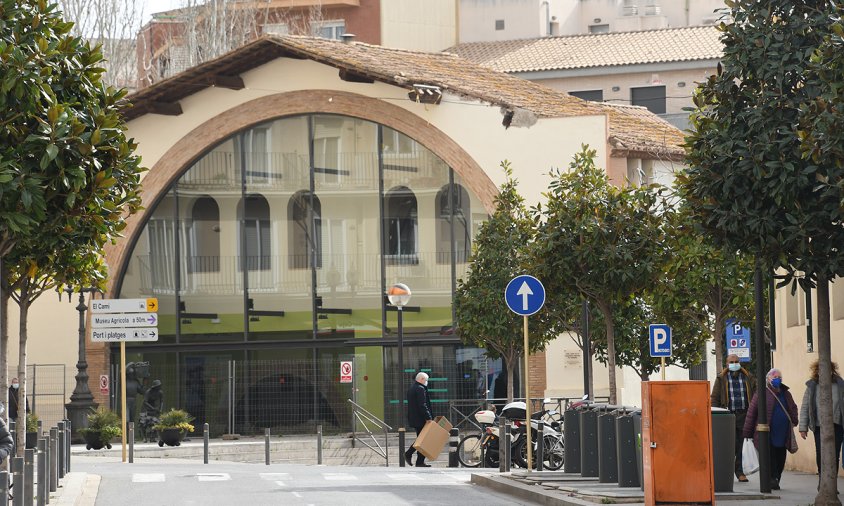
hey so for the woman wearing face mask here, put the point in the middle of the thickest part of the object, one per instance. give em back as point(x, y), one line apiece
point(782, 417)
point(13, 400)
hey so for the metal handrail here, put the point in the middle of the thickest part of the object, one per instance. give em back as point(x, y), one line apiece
point(362, 415)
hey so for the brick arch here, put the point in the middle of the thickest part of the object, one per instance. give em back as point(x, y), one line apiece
point(172, 164)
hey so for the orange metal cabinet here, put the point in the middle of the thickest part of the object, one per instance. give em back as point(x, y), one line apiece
point(677, 443)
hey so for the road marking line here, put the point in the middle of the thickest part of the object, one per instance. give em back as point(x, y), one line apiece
point(339, 476)
point(213, 476)
point(404, 476)
point(147, 477)
point(274, 476)
point(296, 494)
point(281, 484)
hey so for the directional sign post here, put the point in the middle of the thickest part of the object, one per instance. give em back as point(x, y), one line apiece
point(121, 320)
point(525, 295)
point(660, 343)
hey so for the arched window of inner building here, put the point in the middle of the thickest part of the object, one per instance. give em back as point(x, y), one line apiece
point(401, 226)
point(453, 214)
point(304, 237)
point(204, 245)
point(256, 221)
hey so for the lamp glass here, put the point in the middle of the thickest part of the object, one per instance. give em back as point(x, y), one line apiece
point(398, 295)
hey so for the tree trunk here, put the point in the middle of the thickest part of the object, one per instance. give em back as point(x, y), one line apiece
point(4, 343)
point(719, 337)
point(20, 427)
point(510, 364)
point(827, 492)
point(606, 310)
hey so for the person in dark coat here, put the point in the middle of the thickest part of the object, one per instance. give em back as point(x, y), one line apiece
point(782, 418)
point(418, 412)
point(13, 400)
point(733, 389)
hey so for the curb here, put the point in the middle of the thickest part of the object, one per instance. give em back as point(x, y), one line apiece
point(533, 493)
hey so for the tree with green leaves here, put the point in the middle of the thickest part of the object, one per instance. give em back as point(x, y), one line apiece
point(68, 174)
point(498, 254)
point(605, 241)
point(703, 282)
point(749, 183)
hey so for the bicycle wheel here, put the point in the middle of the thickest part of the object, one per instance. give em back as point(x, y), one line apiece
point(554, 453)
point(469, 451)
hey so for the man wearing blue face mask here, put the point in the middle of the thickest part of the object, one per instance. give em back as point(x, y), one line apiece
point(733, 389)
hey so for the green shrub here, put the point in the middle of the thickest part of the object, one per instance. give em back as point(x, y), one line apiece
point(105, 422)
point(32, 422)
point(175, 419)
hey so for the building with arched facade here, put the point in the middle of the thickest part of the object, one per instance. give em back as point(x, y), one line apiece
point(295, 179)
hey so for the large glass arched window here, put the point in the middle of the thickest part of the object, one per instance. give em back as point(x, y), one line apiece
point(256, 221)
point(400, 226)
point(302, 234)
point(204, 245)
point(453, 216)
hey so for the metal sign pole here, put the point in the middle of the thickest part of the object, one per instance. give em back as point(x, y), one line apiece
point(527, 399)
point(123, 396)
point(662, 367)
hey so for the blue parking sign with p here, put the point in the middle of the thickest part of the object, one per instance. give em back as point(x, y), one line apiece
point(660, 339)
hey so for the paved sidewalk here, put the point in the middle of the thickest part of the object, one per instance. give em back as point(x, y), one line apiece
point(798, 489)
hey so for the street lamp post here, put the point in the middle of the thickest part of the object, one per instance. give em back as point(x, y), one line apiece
point(399, 296)
point(81, 400)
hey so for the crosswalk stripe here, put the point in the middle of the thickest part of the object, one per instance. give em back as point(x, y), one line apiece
point(404, 476)
point(339, 476)
point(147, 477)
point(213, 476)
point(274, 476)
point(281, 484)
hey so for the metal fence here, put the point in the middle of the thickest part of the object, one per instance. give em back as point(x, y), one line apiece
point(47, 392)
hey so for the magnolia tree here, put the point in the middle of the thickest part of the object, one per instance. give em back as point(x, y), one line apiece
point(498, 255)
point(68, 175)
point(603, 241)
point(764, 176)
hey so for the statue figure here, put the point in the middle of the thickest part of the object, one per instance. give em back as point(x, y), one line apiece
point(151, 410)
point(135, 374)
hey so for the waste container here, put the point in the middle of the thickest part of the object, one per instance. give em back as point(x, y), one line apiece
point(607, 461)
point(723, 448)
point(637, 430)
point(589, 466)
point(629, 460)
point(571, 440)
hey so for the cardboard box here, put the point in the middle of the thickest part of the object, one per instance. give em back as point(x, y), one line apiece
point(433, 437)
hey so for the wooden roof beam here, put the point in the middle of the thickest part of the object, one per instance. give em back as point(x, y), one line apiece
point(228, 82)
point(164, 108)
point(353, 77)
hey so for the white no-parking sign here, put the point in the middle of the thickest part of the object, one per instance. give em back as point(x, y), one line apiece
point(345, 372)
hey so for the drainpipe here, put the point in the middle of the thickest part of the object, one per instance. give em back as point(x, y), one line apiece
point(547, 5)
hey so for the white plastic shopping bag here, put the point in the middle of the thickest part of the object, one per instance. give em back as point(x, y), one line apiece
point(749, 457)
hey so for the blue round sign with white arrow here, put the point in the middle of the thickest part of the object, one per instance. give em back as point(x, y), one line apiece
point(524, 295)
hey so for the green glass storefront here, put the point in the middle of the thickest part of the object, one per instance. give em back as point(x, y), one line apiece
point(270, 256)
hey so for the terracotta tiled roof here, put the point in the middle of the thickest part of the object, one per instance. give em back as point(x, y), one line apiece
point(595, 50)
point(631, 128)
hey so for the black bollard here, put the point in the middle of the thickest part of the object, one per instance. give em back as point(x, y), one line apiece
point(540, 445)
point(131, 441)
point(508, 448)
point(17, 480)
point(204, 443)
point(29, 475)
point(402, 442)
point(42, 474)
point(52, 459)
point(453, 440)
point(4, 487)
point(67, 440)
point(267, 446)
point(319, 444)
point(60, 458)
point(502, 446)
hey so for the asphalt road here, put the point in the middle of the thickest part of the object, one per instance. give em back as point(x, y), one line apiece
point(173, 482)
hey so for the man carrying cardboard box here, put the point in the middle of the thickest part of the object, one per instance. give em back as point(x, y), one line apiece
point(418, 412)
